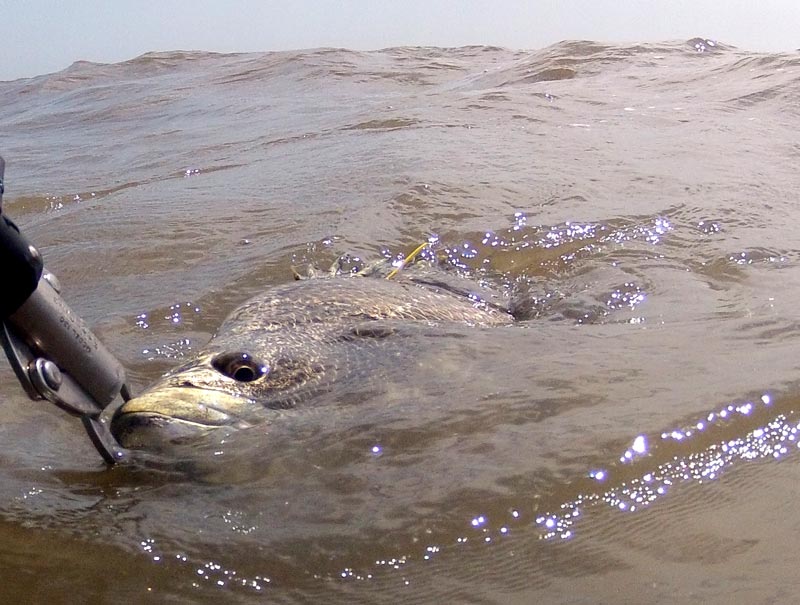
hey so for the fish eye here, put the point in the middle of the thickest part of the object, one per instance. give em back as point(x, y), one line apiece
point(240, 366)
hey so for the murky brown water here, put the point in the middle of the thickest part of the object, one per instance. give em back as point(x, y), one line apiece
point(635, 440)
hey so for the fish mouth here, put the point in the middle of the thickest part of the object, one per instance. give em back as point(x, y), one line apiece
point(163, 416)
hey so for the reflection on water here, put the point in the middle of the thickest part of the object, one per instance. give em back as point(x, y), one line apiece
point(632, 205)
point(629, 491)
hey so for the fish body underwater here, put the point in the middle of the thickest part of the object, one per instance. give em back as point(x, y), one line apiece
point(280, 348)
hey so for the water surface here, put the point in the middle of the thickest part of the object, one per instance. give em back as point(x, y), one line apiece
point(633, 439)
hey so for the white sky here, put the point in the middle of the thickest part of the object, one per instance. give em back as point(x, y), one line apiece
point(42, 36)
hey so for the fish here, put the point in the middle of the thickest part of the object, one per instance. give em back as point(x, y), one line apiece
point(281, 347)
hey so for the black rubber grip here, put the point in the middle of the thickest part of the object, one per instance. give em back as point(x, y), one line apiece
point(20, 268)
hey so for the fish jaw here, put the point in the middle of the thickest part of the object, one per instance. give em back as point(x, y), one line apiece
point(175, 415)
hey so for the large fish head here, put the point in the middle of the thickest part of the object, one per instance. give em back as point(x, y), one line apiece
point(222, 388)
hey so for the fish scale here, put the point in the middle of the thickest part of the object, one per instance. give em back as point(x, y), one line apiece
point(301, 338)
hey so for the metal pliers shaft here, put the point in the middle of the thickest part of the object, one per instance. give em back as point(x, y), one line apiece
point(54, 354)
